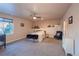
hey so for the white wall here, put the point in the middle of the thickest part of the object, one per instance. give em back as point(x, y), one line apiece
point(45, 23)
point(51, 31)
point(71, 31)
point(19, 32)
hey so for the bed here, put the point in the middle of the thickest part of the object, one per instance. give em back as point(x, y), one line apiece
point(37, 35)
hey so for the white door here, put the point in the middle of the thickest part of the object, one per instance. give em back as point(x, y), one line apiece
point(67, 43)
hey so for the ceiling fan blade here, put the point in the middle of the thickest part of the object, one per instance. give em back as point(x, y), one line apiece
point(38, 17)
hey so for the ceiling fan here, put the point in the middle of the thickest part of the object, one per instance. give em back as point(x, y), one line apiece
point(36, 16)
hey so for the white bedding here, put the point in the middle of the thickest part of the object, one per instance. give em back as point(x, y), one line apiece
point(41, 35)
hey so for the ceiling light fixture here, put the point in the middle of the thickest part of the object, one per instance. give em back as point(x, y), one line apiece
point(34, 17)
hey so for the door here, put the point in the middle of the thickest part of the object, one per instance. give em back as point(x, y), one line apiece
point(68, 43)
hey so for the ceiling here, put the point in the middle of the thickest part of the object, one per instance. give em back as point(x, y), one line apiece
point(25, 10)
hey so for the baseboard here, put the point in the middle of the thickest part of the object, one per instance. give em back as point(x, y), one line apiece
point(14, 41)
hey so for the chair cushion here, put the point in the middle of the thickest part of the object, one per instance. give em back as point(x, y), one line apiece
point(58, 34)
point(1, 43)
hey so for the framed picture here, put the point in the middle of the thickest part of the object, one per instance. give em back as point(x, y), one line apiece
point(49, 26)
point(22, 24)
point(70, 20)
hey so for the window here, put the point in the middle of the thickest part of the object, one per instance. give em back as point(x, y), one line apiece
point(6, 26)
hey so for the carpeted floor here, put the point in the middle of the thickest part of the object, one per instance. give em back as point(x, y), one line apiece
point(25, 47)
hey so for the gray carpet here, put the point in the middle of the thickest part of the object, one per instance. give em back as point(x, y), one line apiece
point(49, 47)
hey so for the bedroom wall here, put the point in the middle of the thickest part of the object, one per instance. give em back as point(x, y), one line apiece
point(71, 31)
point(51, 31)
point(45, 23)
point(19, 32)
